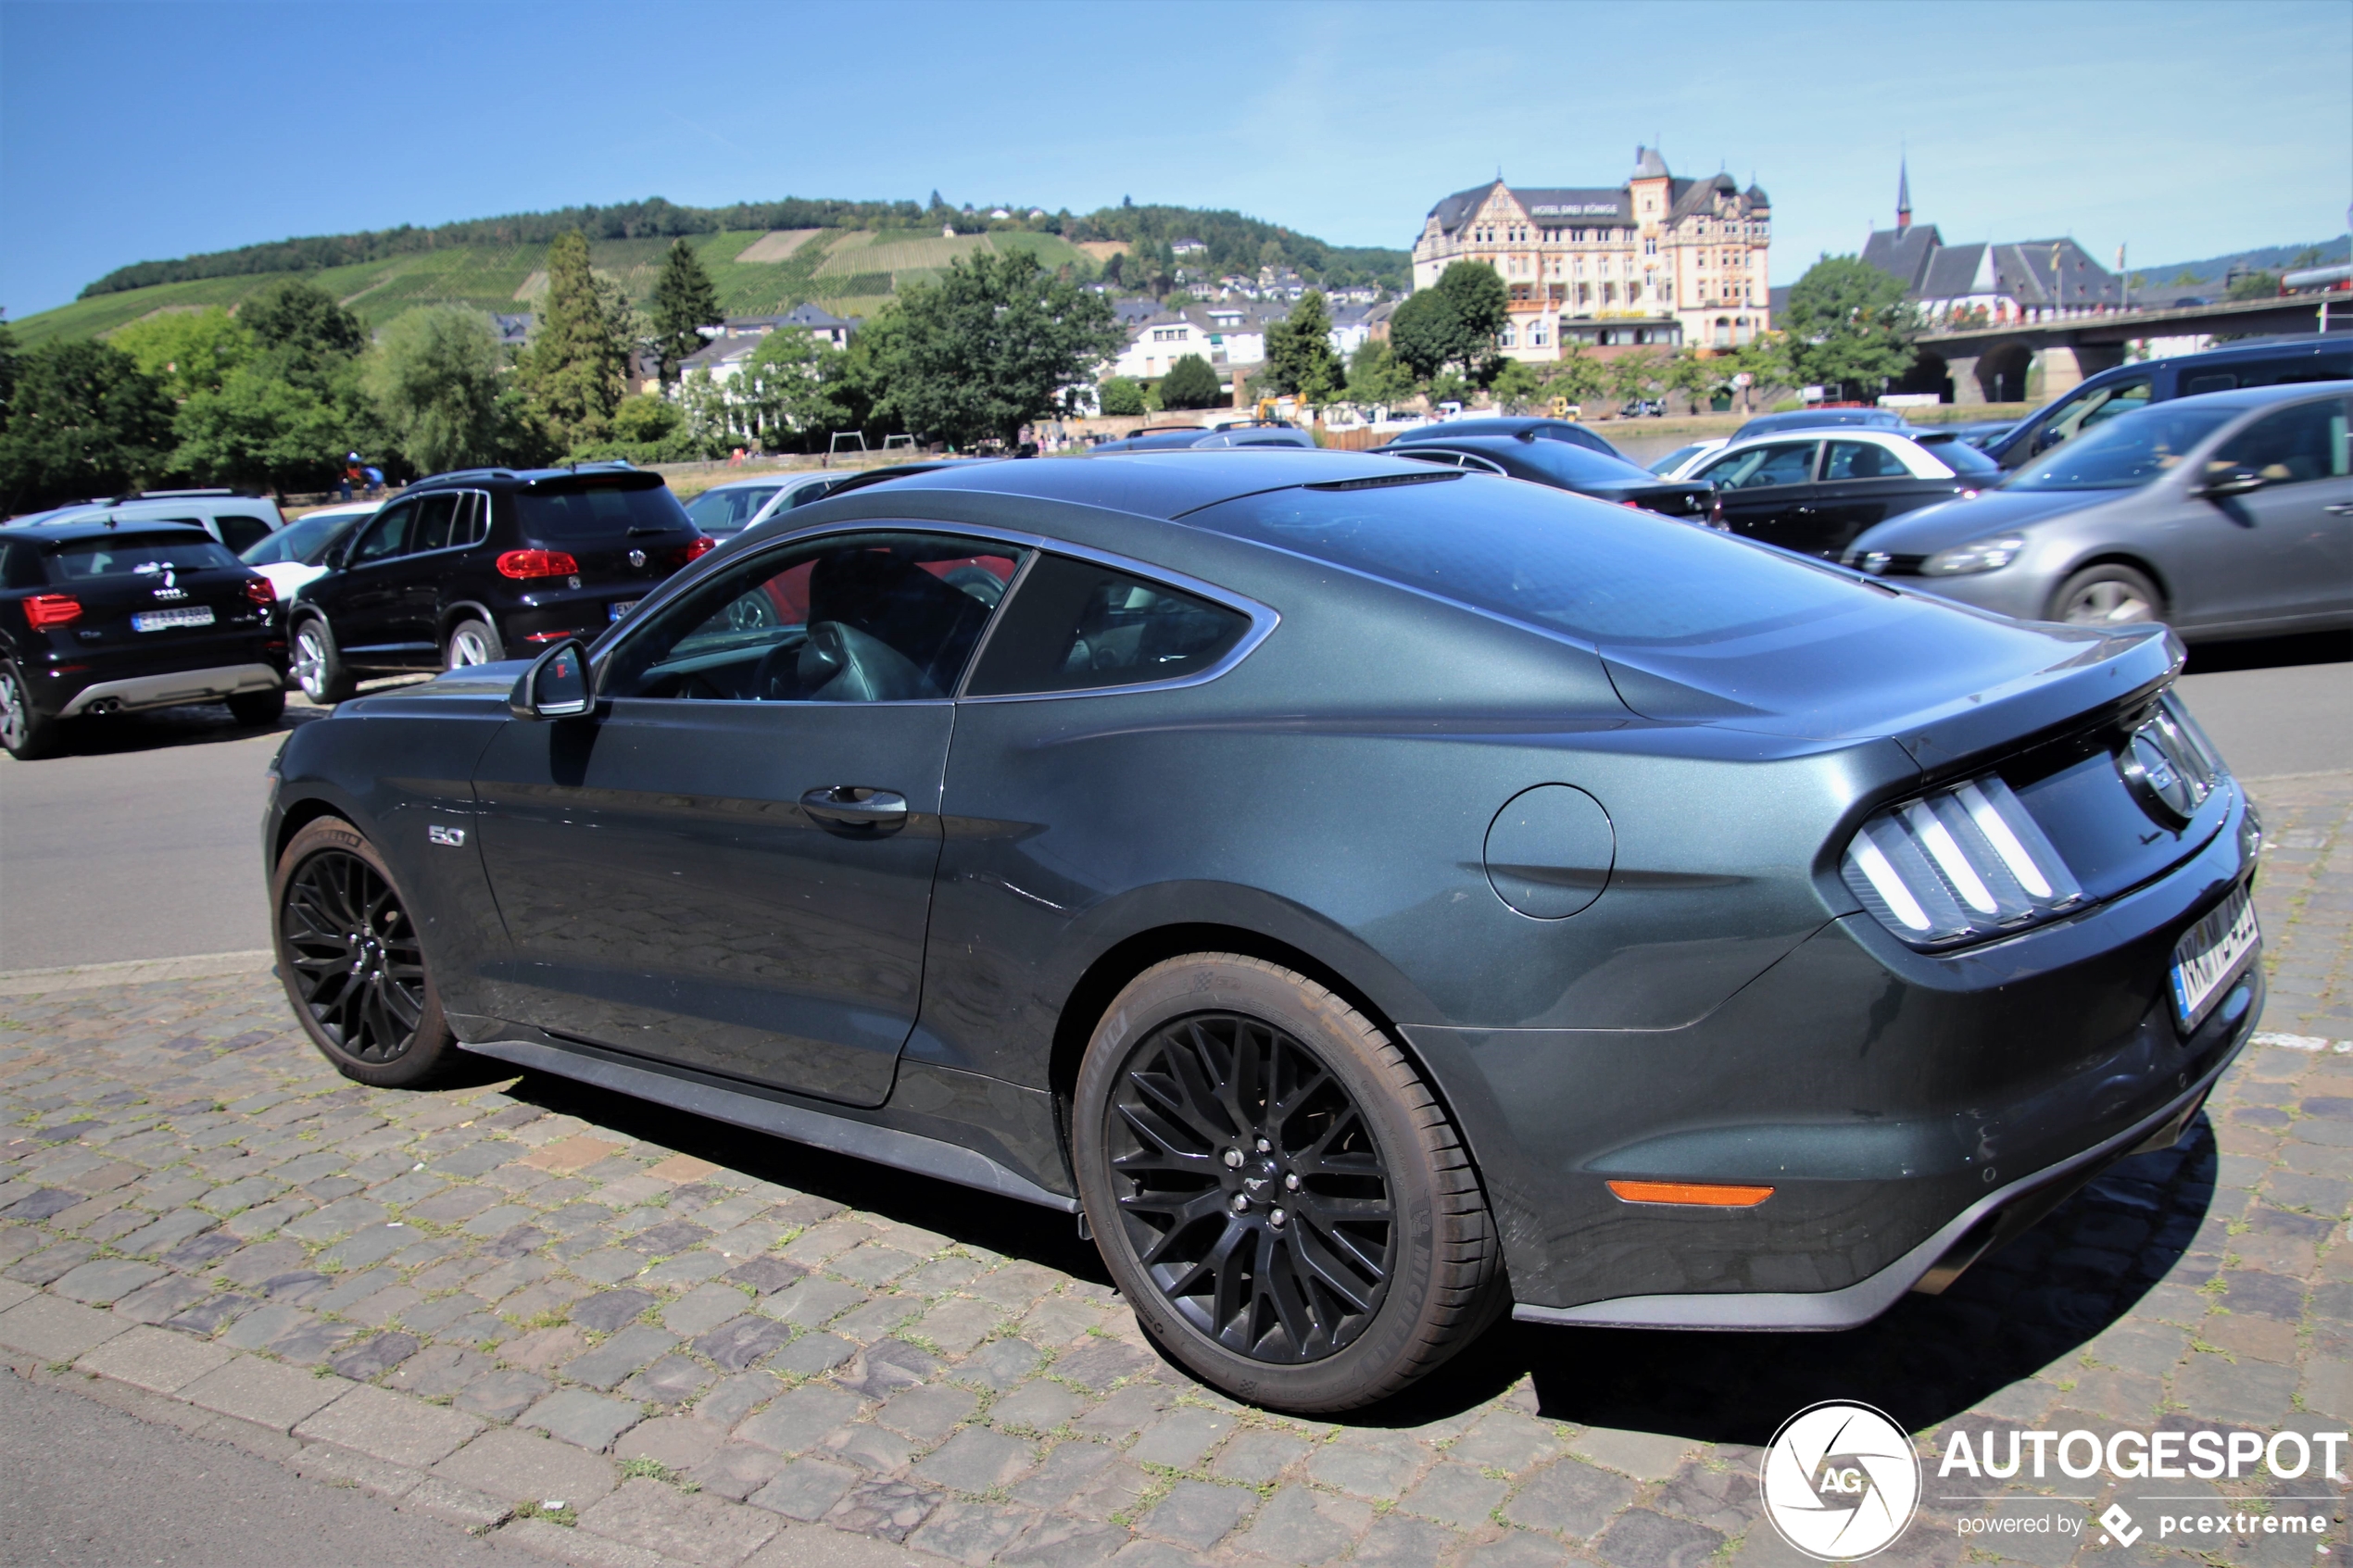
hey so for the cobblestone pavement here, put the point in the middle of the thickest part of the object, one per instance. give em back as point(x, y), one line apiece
point(622, 1335)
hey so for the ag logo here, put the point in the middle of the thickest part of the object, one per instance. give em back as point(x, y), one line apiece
point(1841, 1481)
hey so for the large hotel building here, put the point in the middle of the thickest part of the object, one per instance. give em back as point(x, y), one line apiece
point(1657, 261)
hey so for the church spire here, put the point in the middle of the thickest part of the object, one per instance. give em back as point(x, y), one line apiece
point(1902, 196)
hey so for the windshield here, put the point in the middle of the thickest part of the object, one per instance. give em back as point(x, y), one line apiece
point(2126, 453)
point(81, 560)
point(1965, 460)
point(1674, 460)
point(1578, 466)
point(729, 510)
point(1545, 557)
point(304, 540)
point(599, 511)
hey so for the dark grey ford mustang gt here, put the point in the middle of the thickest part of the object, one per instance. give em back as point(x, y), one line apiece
point(1370, 896)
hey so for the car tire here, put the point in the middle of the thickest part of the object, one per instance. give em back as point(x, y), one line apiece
point(256, 709)
point(2107, 595)
point(27, 732)
point(318, 668)
point(472, 641)
point(352, 963)
point(1371, 1255)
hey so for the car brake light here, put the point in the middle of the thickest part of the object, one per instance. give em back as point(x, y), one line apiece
point(1715, 508)
point(260, 591)
point(695, 551)
point(52, 610)
point(1961, 862)
point(536, 563)
point(547, 636)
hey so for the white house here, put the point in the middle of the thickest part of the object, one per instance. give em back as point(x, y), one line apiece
point(1225, 333)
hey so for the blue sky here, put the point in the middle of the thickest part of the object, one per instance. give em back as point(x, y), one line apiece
point(133, 133)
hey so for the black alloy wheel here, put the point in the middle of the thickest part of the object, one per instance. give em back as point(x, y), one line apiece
point(354, 956)
point(1257, 1198)
point(1275, 1187)
point(352, 960)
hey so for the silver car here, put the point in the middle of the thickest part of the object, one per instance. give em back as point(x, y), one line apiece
point(2229, 515)
point(725, 511)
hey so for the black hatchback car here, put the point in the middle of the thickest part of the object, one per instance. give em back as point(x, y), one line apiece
point(464, 568)
point(99, 617)
point(1374, 896)
point(1565, 466)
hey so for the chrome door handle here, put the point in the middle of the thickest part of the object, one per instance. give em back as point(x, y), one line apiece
point(856, 806)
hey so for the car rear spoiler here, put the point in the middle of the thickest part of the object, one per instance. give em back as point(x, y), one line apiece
point(2128, 666)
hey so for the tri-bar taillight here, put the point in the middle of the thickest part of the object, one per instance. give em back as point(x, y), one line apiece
point(1958, 864)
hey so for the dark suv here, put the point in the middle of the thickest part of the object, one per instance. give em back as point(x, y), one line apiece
point(106, 617)
point(2274, 362)
point(463, 568)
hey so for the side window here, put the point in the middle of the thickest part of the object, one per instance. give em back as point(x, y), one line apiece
point(851, 618)
point(1862, 460)
point(1784, 462)
point(241, 532)
point(1073, 626)
point(387, 535)
point(1480, 465)
point(2290, 446)
point(435, 513)
point(474, 520)
point(2212, 381)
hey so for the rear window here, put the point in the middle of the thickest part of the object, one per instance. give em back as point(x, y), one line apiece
point(601, 511)
point(731, 510)
point(83, 560)
point(1544, 557)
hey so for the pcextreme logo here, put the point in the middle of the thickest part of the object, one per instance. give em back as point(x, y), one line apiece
point(1841, 1481)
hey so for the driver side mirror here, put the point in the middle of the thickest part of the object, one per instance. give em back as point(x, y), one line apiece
point(2234, 481)
point(556, 686)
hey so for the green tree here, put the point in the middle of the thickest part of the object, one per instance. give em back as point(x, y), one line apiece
point(990, 347)
point(790, 393)
point(435, 381)
point(1425, 333)
point(1636, 377)
point(1121, 395)
point(1299, 354)
point(2256, 285)
point(684, 301)
point(1693, 376)
point(2187, 280)
point(83, 420)
point(1580, 377)
point(1375, 377)
point(1849, 325)
point(1190, 384)
point(1482, 302)
point(575, 372)
point(288, 412)
point(188, 351)
point(1517, 387)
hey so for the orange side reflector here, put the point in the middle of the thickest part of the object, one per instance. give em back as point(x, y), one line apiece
point(1704, 1194)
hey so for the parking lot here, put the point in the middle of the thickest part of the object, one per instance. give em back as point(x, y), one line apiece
point(712, 1347)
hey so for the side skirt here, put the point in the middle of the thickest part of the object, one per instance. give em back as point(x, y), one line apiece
point(884, 1146)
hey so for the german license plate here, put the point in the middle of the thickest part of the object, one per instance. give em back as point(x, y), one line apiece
point(616, 611)
point(2208, 957)
point(157, 620)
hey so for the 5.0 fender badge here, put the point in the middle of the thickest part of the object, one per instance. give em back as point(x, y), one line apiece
point(454, 837)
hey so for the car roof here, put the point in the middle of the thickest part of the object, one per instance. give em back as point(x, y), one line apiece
point(66, 533)
point(1495, 424)
point(2279, 392)
point(526, 477)
point(1155, 484)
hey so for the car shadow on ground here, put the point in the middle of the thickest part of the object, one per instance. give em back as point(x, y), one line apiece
point(2014, 1313)
point(195, 723)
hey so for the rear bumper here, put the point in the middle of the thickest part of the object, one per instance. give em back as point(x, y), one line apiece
point(132, 692)
point(1928, 1267)
point(1893, 1101)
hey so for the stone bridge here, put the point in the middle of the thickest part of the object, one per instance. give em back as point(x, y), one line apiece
point(1994, 364)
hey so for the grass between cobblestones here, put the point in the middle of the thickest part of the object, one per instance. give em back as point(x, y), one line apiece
point(530, 1306)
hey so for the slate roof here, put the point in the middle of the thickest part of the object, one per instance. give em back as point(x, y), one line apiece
point(1599, 207)
point(1930, 269)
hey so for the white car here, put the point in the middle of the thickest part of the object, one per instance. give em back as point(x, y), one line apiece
point(296, 554)
point(238, 521)
point(1681, 460)
point(725, 511)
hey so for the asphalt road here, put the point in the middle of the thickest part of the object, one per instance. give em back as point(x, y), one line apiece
point(143, 844)
point(189, 1502)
